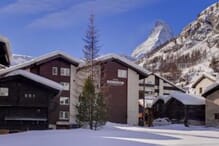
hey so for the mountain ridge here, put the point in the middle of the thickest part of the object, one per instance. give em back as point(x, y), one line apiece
point(191, 52)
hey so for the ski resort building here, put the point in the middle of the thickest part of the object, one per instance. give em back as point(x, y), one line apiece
point(154, 85)
point(118, 78)
point(26, 101)
point(55, 81)
point(60, 68)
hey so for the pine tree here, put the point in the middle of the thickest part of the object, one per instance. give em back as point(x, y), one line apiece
point(82, 116)
point(85, 106)
point(100, 110)
point(91, 49)
point(91, 100)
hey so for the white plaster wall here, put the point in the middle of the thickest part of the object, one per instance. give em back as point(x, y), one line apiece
point(202, 84)
point(132, 98)
point(73, 96)
point(212, 107)
point(161, 87)
point(150, 80)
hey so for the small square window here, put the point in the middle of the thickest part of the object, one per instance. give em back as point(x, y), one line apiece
point(3, 91)
point(64, 100)
point(55, 71)
point(122, 73)
point(64, 71)
point(200, 90)
point(63, 115)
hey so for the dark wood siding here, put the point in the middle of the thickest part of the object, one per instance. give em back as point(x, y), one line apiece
point(27, 101)
point(117, 99)
point(45, 70)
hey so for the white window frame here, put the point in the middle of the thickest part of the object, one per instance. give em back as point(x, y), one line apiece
point(64, 71)
point(4, 91)
point(122, 73)
point(64, 100)
point(54, 71)
point(66, 86)
point(63, 115)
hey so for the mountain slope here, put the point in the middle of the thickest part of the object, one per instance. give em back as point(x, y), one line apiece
point(18, 59)
point(159, 35)
point(192, 52)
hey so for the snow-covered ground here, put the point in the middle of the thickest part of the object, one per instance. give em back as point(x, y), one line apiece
point(117, 135)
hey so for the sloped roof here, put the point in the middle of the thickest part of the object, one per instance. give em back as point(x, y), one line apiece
point(42, 59)
point(165, 98)
point(36, 78)
point(126, 62)
point(169, 82)
point(211, 88)
point(188, 99)
point(7, 48)
point(199, 78)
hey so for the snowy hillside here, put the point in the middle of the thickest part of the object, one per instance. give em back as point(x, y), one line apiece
point(160, 34)
point(18, 59)
point(192, 52)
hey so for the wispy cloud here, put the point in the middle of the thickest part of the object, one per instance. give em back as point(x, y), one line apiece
point(27, 7)
point(64, 13)
point(79, 12)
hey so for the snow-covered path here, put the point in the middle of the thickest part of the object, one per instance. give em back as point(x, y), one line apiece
point(117, 135)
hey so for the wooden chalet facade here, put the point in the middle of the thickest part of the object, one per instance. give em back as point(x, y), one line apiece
point(118, 79)
point(180, 107)
point(60, 68)
point(26, 103)
point(151, 88)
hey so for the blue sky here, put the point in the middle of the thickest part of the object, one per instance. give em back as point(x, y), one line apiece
point(35, 27)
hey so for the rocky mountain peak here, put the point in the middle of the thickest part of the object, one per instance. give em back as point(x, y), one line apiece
point(160, 34)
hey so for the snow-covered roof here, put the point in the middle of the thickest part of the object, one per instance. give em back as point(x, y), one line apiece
point(124, 60)
point(211, 88)
point(188, 99)
point(149, 102)
point(171, 83)
point(165, 98)
point(8, 49)
point(36, 78)
point(202, 76)
point(41, 59)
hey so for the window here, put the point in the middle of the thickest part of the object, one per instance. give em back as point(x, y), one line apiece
point(200, 90)
point(149, 82)
point(64, 100)
point(63, 115)
point(216, 116)
point(55, 71)
point(122, 73)
point(29, 95)
point(3, 91)
point(64, 71)
point(65, 85)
